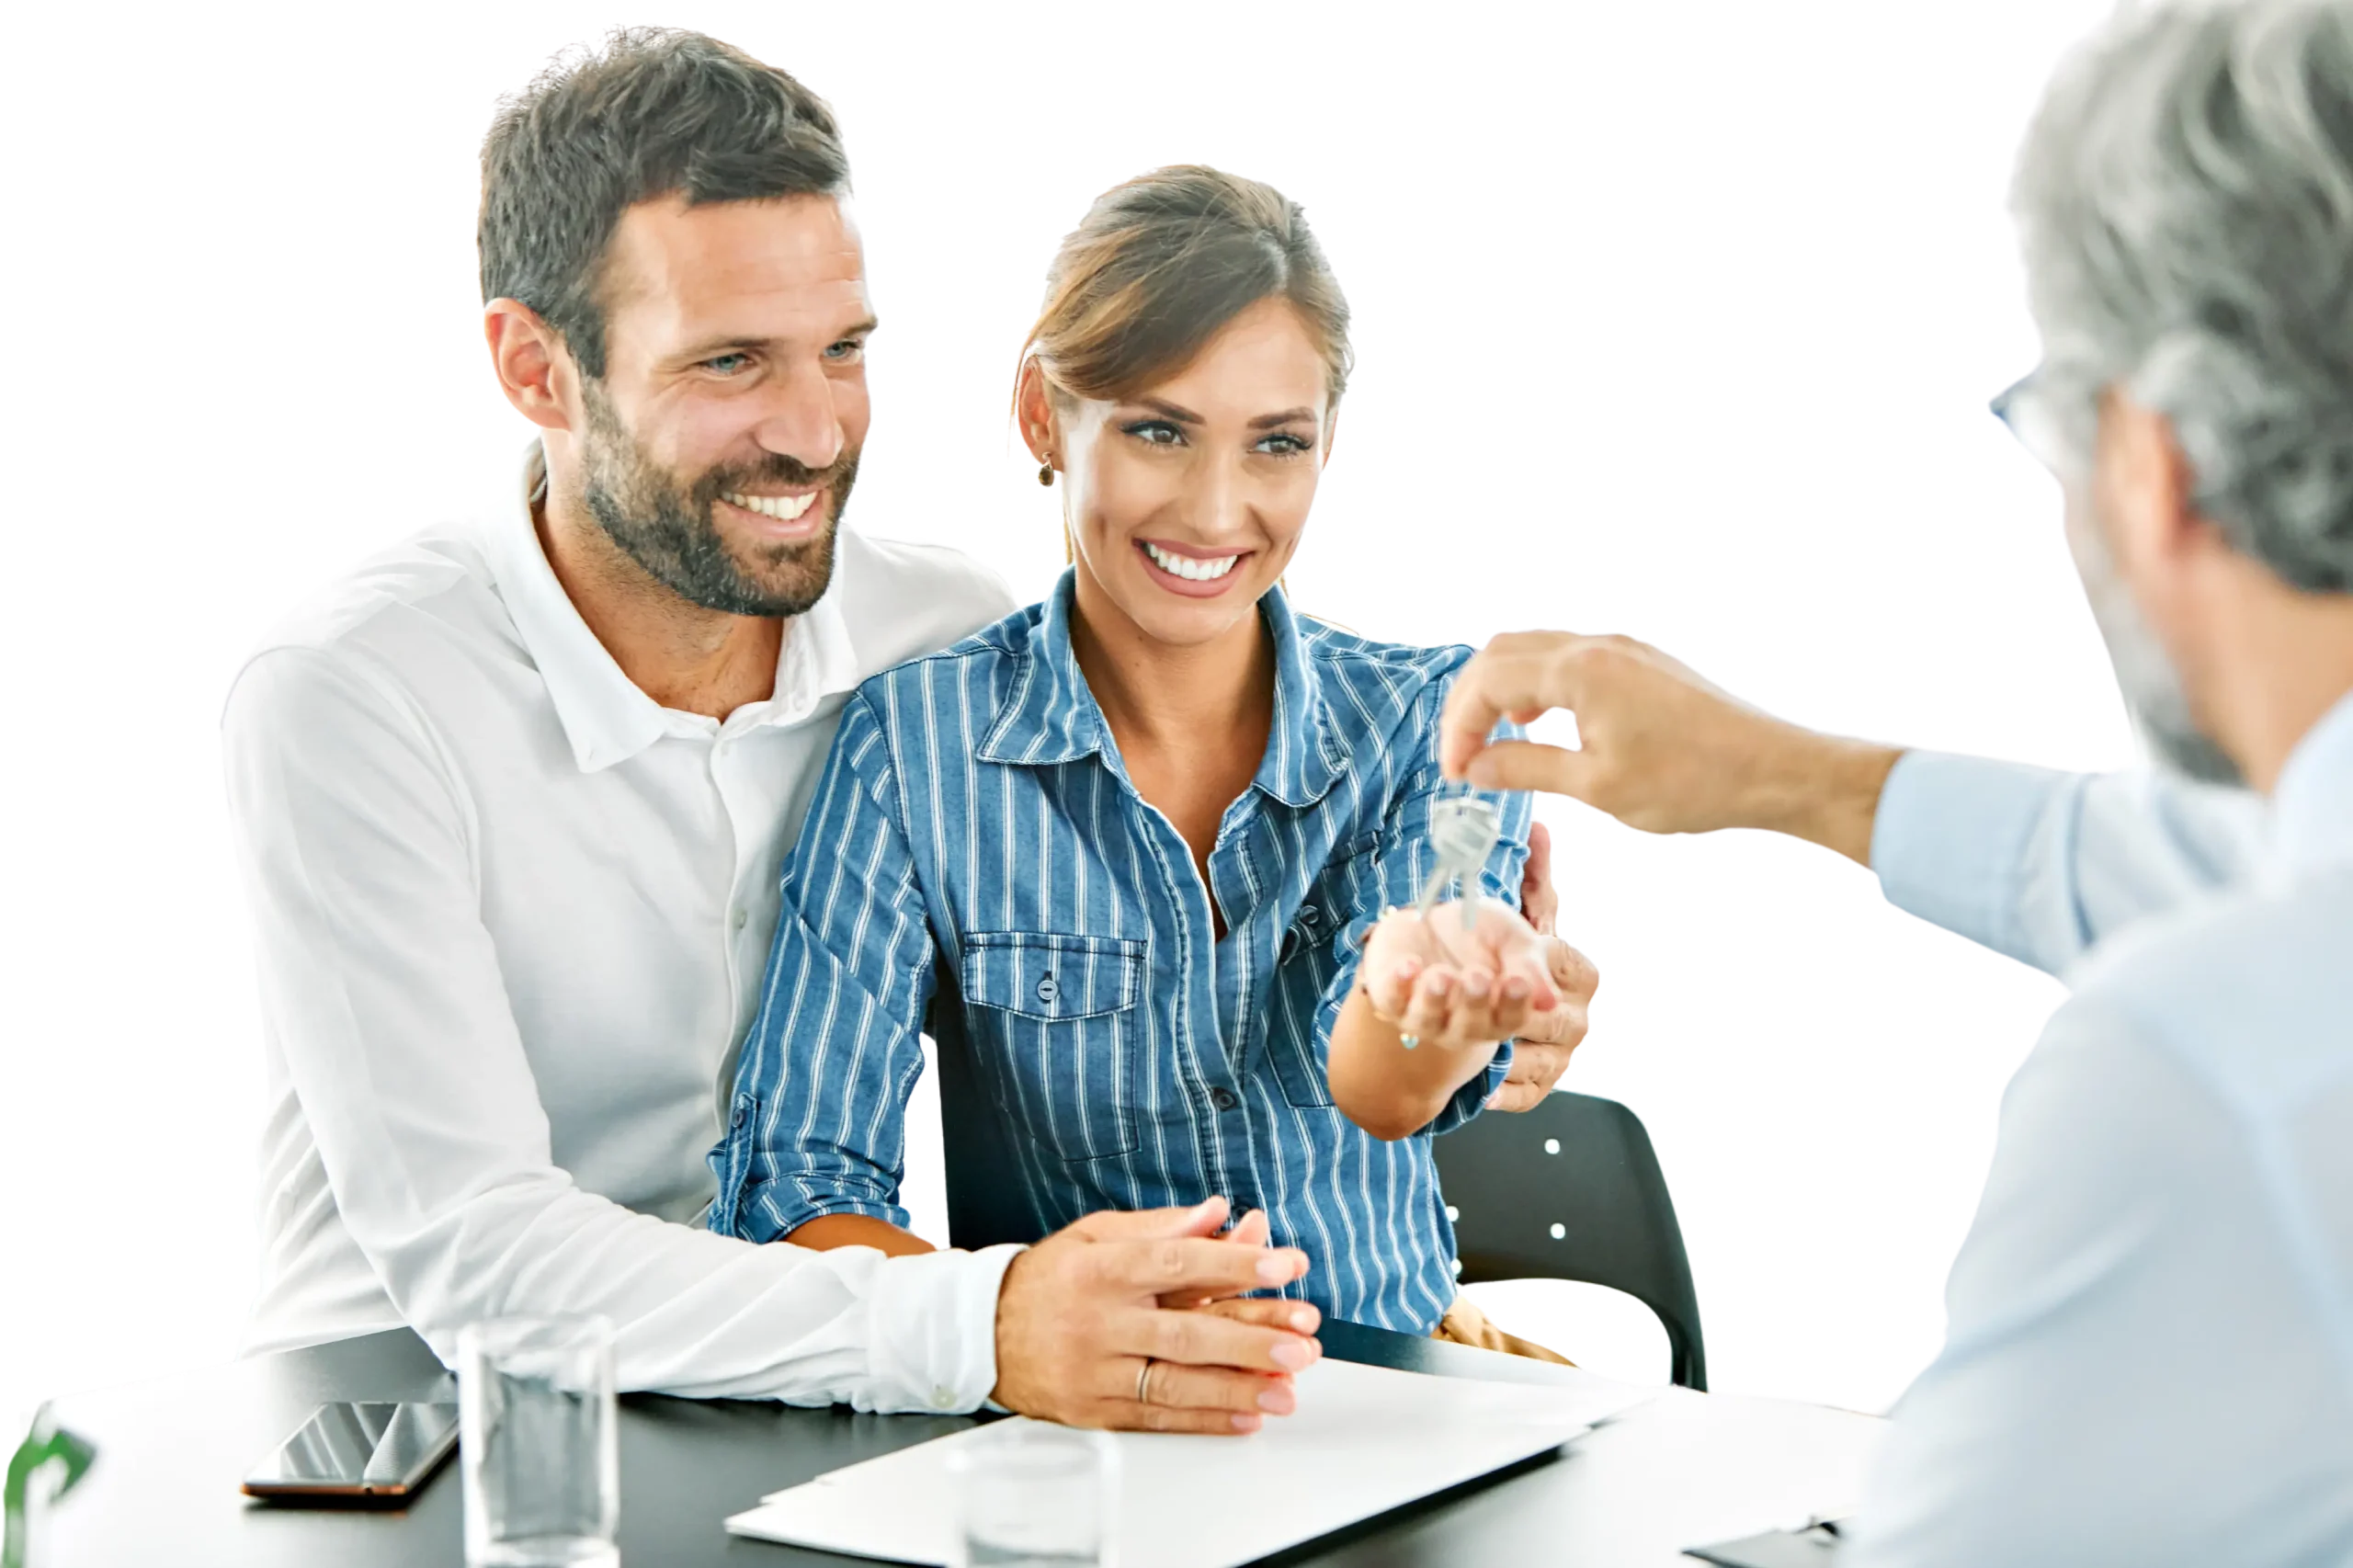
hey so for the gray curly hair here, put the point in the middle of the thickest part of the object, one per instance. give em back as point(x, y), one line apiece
point(2184, 198)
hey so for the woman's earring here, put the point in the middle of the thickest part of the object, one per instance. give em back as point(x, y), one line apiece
point(1046, 473)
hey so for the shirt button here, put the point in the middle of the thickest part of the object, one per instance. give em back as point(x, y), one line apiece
point(1047, 991)
point(1308, 915)
point(740, 918)
point(735, 1117)
point(943, 1398)
point(1224, 1098)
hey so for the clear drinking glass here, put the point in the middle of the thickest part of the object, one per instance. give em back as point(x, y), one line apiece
point(1030, 1495)
point(538, 1443)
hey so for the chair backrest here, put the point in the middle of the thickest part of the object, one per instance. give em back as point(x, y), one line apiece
point(984, 1182)
point(1572, 1191)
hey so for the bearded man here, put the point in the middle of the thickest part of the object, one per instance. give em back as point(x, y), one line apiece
point(512, 801)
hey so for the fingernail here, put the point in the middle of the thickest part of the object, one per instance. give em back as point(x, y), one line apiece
point(1274, 1268)
point(1293, 1354)
point(1277, 1401)
point(1476, 985)
point(1440, 985)
point(1246, 1422)
point(1306, 1320)
point(1515, 990)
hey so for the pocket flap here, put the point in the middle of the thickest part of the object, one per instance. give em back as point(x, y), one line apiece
point(1042, 974)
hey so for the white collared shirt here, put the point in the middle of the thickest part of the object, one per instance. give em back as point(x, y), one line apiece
point(512, 917)
point(2149, 1356)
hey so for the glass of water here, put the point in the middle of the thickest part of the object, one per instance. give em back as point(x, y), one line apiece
point(1031, 1496)
point(538, 1442)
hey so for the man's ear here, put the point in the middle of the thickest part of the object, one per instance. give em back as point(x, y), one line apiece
point(535, 370)
point(2155, 512)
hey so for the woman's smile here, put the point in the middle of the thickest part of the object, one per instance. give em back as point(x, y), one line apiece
point(1187, 570)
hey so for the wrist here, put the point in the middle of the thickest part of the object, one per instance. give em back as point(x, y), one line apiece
point(1823, 788)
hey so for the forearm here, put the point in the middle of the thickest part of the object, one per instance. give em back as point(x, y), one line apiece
point(1823, 788)
point(830, 1231)
point(1389, 1091)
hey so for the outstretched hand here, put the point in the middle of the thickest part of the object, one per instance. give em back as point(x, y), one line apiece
point(1448, 985)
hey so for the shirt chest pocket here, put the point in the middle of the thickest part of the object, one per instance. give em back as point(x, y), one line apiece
point(1057, 1024)
point(1315, 950)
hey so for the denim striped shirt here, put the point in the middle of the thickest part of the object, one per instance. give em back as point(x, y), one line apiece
point(975, 810)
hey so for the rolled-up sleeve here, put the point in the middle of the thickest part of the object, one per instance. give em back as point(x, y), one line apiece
point(382, 986)
point(2041, 865)
point(821, 1092)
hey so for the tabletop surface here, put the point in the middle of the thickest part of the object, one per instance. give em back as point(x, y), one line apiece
point(1684, 1470)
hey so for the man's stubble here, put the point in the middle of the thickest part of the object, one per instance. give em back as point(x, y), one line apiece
point(669, 530)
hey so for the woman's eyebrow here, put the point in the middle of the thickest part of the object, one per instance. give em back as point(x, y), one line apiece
point(1262, 422)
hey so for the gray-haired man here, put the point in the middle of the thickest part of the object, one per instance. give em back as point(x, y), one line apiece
point(2150, 1354)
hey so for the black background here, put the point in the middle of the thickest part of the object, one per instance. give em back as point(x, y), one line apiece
point(1671, 328)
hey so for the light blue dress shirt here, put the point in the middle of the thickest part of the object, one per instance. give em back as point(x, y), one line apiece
point(975, 814)
point(2149, 1351)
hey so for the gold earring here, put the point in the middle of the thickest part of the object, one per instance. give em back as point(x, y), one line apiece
point(1046, 472)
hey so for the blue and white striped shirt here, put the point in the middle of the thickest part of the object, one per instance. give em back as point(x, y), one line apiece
point(975, 810)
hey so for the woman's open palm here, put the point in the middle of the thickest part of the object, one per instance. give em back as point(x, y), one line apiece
point(1441, 982)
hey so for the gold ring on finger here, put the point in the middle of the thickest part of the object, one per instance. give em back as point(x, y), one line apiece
point(1143, 1381)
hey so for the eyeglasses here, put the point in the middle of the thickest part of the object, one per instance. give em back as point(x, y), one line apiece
point(2030, 411)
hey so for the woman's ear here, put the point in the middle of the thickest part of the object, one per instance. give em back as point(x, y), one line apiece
point(1033, 405)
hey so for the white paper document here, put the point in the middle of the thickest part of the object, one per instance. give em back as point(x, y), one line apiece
point(1365, 1439)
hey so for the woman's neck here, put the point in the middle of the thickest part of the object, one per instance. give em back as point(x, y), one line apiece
point(1159, 698)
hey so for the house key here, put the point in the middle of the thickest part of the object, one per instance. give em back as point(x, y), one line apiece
point(1463, 830)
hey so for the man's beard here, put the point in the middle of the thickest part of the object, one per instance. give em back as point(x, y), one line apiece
point(669, 530)
point(2144, 671)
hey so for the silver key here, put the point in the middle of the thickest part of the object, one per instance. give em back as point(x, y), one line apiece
point(1463, 830)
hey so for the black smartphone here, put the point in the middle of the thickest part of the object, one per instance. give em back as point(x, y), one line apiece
point(364, 1452)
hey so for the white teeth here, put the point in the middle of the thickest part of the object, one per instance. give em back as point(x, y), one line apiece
point(783, 508)
point(1187, 567)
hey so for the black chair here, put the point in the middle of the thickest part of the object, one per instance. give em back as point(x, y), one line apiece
point(1572, 1191)
point(1582, 1164)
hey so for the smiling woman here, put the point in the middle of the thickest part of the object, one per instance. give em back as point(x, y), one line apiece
point(1160, 266)
point(1145, 825)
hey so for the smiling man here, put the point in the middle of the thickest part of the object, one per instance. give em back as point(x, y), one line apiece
point(512, 796)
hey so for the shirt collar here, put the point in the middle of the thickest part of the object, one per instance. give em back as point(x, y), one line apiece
point(2312, 804)
point(605, 717)
point(1050, 717)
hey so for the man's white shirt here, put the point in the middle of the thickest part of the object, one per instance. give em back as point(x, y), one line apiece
point(2149, 1354)
point(512, 917)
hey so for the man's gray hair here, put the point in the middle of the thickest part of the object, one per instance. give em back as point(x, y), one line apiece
point(2186, 202)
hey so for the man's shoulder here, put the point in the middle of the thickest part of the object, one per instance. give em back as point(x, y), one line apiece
point(902, 600)
point(2248, 990)
point(979, 667)
point(422, 597)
